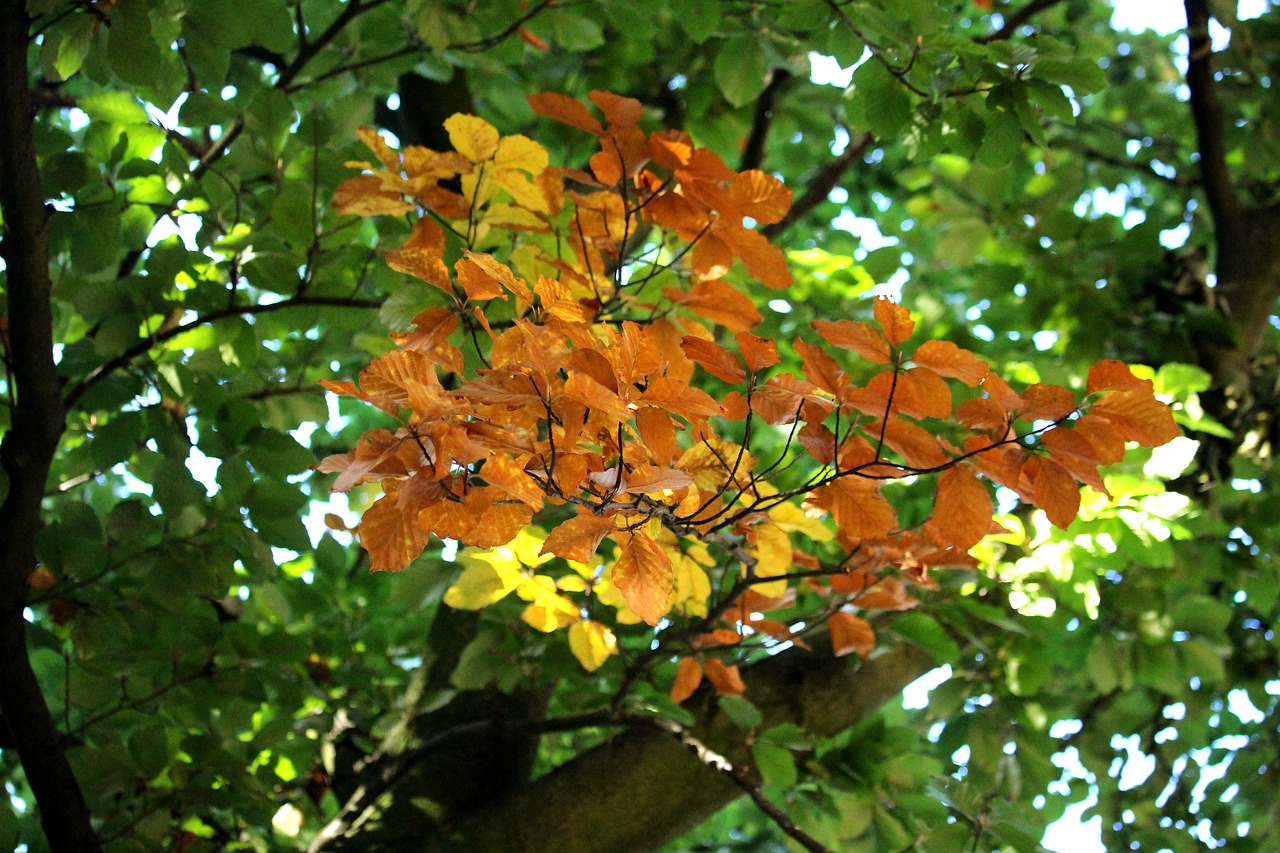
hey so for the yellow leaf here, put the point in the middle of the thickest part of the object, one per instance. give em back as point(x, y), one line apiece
point(472, 137)
point(773, 558)
point(592, 643)
point(520, 152)
point(792, 519)
point(548, 610)
point(692, 586)
point(482, 584)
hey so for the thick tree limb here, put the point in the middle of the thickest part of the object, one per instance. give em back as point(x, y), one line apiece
point(642, 788)
point(1247, 240)
point(762, 120)
point(27, 449)
point(1206, 109)
point(822, 184)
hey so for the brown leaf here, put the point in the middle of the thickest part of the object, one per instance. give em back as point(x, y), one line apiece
point(895, 320)
point(391, 535)
point(1114, 376)
point(644, 576)
point(725, 679)
point(578, 538)
point(947, 359)
point(851, 633)
point(1056, 491)
point(714, 359)
point(760, 354)
point(565, 110)
point(861, 338)
point(688, 677)
point(1138, 416)
point(961, 509)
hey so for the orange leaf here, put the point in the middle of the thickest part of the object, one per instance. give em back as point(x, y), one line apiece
point(565, 110)
point(999, 391)
point(364, 195)
point(618, 110)
point(606, 168)
point(688, 677)
point(894, 319)
point(512, 478)
point(578, 538)
point(888, 594)
point(850, 633)
point(717, 302)
point(653, 479)
point(1138, 416)
point(983, 414)
point(859, 510)
point(764, 261)
point(692, 404)
point(947, 359)
point(658, 433)
point(713, 358)
point(1077, 454)
point(476, 281)
point(921, 393)
point(390, 535)
point(534, 40)
point(644, 576)
point(498, 524)
point(671, 149)
point(961, 509)
point(432, 327)
point(861, 338)
point(725, 679)
point(1045, 402)
point(711, 257)
point(422, 264)
point(760, 354)
point(821, 369)
point(760, 195)
point(1108, 444)
point(1056, 492)
point(1114, 376)
point(916, 445)
point(1001, 464)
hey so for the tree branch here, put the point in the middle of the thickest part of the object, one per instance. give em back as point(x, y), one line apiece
point(27, 449)
point(822, 184)
point(113, 364)
point(762, 119)
point(656, 790)
point(1206, 110)
point(1015, 20)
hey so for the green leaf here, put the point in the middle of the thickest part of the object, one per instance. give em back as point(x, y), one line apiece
point(776, 764)
point(925, 632)
point(740, 70)
point(1201, 614)
point(741, 712)
point(575, 32)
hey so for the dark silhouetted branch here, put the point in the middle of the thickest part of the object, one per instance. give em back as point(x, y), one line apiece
point(29, 445)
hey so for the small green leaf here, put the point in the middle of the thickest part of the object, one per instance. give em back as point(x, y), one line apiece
point(776, 764)
point(743, 714)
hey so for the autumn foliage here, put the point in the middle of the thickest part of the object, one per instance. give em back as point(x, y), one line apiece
point(585, 404)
